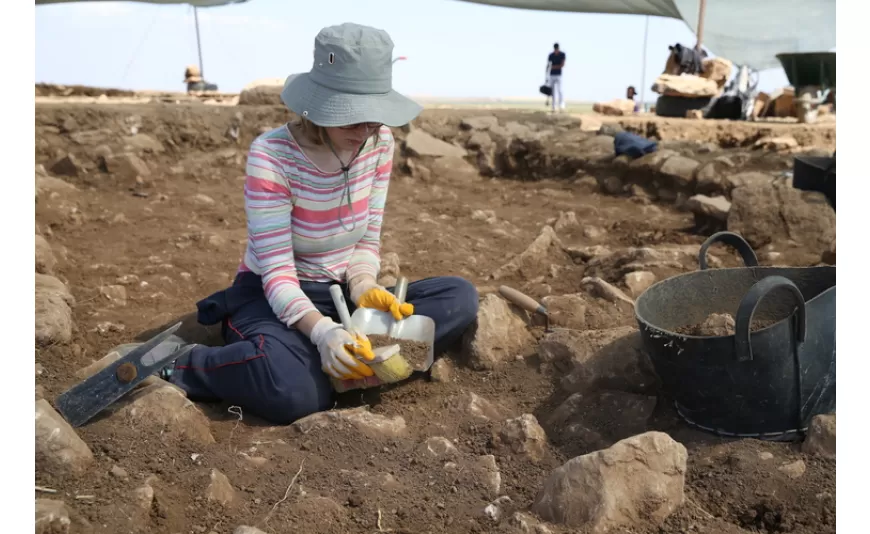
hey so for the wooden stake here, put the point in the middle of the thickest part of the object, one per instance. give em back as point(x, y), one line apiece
point(643, 65)
point(199, 44)
point(702, 8)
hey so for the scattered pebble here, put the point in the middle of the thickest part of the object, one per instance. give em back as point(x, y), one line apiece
point(794, 469)
point(119, 472)
point(203, 200)
point(494, 510)
point(116, 294)
point(127, 279)
point(107, 327)
point(440, 370)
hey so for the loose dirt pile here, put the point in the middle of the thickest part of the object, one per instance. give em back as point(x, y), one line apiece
point(414, 352)
point(140, 215)
point(721, 324)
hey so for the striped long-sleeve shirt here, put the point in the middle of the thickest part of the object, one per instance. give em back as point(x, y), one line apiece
point(293, 211)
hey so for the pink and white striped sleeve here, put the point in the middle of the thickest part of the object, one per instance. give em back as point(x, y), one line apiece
point(269, 208)
point(366, 257)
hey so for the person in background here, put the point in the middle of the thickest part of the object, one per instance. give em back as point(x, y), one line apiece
point(556, 62)
point(195, 83)
point(630, 93)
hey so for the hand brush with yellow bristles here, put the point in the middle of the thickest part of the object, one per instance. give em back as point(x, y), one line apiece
point(391, 366)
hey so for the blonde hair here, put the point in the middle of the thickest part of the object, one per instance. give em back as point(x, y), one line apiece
point(317, 134)
point(312, 132)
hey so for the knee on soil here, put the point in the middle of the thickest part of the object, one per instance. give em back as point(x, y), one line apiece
point(465, 300)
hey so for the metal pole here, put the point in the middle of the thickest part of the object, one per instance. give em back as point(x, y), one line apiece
point(643, 66)
point(198, 46)
point(702, 8)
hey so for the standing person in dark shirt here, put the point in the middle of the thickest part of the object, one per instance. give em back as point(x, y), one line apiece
point(556, 62)
point(630, 93)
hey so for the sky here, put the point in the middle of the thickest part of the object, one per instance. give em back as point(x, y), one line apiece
point(454, 49)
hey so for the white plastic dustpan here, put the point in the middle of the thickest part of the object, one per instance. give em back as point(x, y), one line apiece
point(414, 328)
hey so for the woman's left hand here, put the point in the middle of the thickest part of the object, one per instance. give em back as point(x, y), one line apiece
point(379, 298)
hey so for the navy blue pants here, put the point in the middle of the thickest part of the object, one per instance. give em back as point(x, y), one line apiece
point(274, 371)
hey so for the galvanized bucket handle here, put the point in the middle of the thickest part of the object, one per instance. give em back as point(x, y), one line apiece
point(747, 307)
point(732, 239)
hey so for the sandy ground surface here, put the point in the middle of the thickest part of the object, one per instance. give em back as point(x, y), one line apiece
point(137, 248)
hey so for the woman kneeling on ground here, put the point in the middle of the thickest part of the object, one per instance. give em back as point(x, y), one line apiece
point(314, 198)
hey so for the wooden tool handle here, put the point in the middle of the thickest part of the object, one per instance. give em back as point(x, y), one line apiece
point(522, 300)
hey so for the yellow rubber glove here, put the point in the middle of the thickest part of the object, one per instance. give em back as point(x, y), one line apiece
point(341, 352)
point(379, 298)
point(361, 347)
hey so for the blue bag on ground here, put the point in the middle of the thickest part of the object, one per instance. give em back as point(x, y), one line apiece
point(632, 145)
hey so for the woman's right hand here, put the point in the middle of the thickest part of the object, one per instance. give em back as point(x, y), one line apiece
point(341, 353)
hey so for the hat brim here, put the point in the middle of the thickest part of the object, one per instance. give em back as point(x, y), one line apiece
point(329, 108)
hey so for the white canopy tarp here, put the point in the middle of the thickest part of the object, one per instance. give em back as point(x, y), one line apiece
point(747, 32)
point(197, 3)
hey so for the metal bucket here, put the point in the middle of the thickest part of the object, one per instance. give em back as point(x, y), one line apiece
point(767, 383)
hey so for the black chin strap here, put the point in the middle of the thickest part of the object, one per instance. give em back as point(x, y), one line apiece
point(345, 169)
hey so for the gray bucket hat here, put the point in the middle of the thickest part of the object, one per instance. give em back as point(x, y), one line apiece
point(350, 82)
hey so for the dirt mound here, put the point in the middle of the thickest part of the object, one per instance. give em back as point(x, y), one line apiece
point(775, 212)
point(265, 92)
point(791, 493)
point(50, 89)
point(147, 218)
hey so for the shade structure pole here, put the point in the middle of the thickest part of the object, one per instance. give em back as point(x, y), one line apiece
point(643, 65)
point(198, 44)
point(702, 8)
